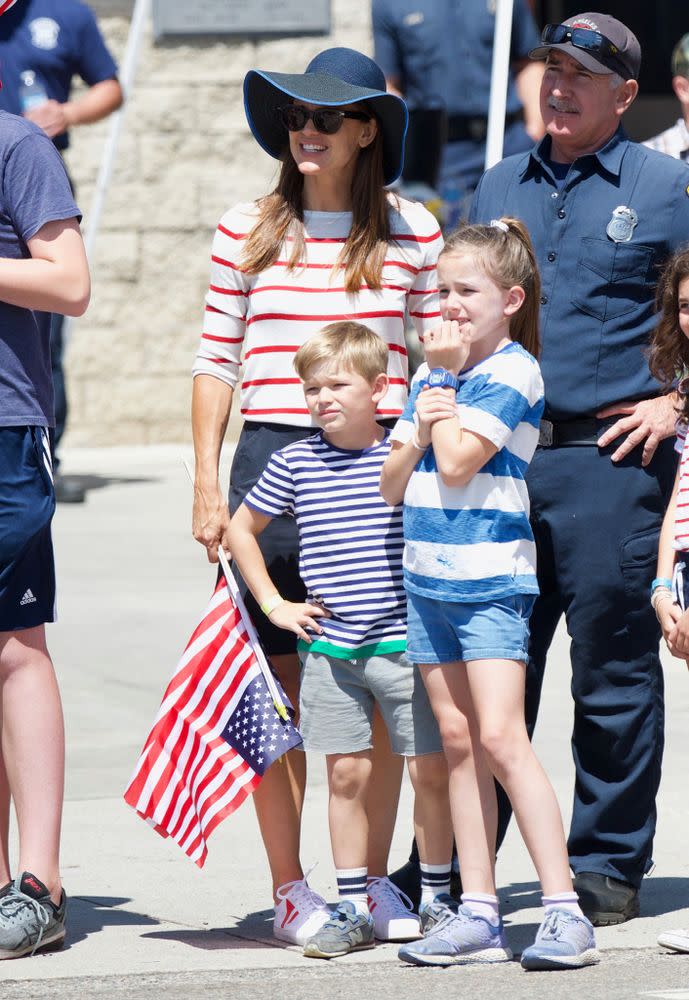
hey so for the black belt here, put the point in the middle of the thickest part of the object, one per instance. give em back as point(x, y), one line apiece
point(461, 128)
point(572, 433)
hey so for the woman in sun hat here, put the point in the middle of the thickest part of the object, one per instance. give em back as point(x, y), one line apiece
point(328, 243)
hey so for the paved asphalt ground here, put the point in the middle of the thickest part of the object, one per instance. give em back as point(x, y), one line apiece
point(144, 922)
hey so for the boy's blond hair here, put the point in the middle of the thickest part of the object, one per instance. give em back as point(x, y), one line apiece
point(345, 344)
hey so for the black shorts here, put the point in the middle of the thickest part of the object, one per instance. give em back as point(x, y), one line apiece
point(279, 543)
point(27, 505)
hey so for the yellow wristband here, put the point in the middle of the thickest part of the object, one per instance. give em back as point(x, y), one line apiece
point(272, 603)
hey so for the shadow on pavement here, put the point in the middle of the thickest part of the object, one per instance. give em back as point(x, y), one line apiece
point(253, 930)
point(661, 894)
point(90, 914)
point(89, 481)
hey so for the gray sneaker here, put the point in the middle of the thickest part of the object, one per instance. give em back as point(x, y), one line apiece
point(345, 931)
point(29, 920)
point(434, 914)
point(564, 941)
point(459, 940)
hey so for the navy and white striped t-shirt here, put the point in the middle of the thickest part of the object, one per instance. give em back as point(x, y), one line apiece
point(474, 542)
point(350, 542)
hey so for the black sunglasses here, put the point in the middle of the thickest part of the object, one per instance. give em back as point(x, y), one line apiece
point(327, 120)
point(589, 41)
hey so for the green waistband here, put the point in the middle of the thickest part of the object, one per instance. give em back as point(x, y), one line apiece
point(352, 653)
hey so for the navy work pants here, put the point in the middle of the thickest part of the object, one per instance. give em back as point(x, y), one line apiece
point(596, 526)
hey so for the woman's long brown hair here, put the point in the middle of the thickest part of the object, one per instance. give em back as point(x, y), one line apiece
point(509, 259)
point(668, 356)
point(281, 218)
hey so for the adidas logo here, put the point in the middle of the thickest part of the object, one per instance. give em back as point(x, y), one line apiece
point(28, 598)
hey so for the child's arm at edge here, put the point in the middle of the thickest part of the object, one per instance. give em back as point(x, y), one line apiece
point(245, 527)
point(674, 623)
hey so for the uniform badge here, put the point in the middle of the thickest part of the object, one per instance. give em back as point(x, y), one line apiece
point(622, 224)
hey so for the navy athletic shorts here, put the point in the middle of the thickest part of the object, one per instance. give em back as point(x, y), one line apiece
point(27, 505)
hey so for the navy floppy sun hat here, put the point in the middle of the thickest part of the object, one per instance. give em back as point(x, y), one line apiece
point(332, 78)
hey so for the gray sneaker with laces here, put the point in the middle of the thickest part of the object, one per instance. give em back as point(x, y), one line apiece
point(434, 914)
point(458, 940)
point(564, 941)
point(345, 931)
point(29, 920)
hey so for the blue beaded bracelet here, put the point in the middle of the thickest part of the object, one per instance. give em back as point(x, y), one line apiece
point(661, 581)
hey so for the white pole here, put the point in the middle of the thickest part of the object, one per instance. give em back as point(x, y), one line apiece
point(126, 78)
point(498, 81)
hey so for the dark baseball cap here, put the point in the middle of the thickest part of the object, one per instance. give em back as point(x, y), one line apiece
point(618, 52)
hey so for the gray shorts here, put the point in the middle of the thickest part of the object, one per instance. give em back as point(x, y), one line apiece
point(337, 699)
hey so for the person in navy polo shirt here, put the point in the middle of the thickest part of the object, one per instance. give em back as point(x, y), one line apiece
point(603, 213)
point(43, 45)
point(43, 269)
point(438, 55)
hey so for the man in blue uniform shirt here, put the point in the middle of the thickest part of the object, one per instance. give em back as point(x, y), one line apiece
point(604, 213)
point(43, 45)
point(438, 55)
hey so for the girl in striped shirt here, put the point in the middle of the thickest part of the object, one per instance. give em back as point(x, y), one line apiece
point(669, 357)
point(459, 458)
point(328, 244)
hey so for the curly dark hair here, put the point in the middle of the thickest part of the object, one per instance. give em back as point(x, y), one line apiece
point(668, 356)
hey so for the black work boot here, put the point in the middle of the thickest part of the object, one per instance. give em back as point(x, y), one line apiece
point(606, 900)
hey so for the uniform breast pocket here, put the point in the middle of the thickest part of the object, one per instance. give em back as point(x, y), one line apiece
point(611, 277)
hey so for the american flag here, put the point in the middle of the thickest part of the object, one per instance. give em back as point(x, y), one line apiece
point(6, 4)
point(216, 733)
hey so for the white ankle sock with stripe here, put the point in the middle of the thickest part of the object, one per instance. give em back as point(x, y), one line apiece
point(434, 880)
point(563, 901)
point(351, 886)
point(482, 904)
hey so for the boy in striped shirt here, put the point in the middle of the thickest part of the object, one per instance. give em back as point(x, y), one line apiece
point(352, 631)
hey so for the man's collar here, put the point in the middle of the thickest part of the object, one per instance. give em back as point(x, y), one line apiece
point(608, 156)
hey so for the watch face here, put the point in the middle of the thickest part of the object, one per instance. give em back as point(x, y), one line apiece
point(441, 377)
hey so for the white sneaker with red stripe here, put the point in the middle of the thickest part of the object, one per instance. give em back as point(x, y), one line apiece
point(299, 912)
point(391, 909)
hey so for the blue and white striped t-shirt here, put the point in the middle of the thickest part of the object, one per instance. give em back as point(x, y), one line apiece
point(474, 542)
point(350, 542)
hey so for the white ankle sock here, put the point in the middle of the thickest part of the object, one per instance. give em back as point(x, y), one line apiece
point(482, 904)
point(563, 901)
point(351, 886)
point(434, 880)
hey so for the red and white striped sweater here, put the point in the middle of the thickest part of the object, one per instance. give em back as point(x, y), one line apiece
point(261, 320)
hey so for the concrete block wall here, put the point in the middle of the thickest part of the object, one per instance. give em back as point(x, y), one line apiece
point(185, 155)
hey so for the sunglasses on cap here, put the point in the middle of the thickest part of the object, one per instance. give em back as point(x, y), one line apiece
point(588, 40)
point(326, 120)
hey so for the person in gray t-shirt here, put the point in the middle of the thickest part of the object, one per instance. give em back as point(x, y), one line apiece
point(43, 269)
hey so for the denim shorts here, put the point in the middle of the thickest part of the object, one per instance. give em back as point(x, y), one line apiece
point(445, 631)
point(337, 699)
